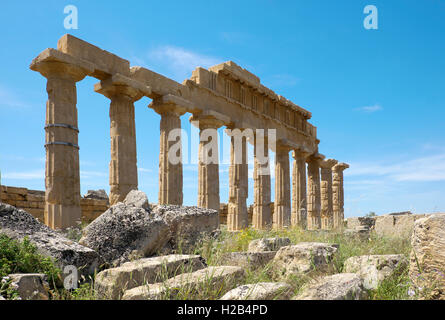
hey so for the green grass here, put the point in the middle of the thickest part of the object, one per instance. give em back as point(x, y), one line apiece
point(22, 257)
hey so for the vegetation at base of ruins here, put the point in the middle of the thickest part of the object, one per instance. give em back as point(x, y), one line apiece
point(371, 214)
point(22, 257)
point(396, 287)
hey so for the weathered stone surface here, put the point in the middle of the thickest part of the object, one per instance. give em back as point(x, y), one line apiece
point(252, 260)
point(268, 244)
point(260, 291)
point(96, 194)
point(30, 286)
point(352, 223)
point(2, 299)
point(124, 231)
point(187, 224)
point(396, 226)
point(427, 259)
point(360, 232)
point(374, 269)
point(112, 283)
point(18, 224)
point(342, 286)
point(137, 199)
point(218, 277)
point(304, 258)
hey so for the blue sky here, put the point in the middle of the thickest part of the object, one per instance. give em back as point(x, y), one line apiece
point(377, 96)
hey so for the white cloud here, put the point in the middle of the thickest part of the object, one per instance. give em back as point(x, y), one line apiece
point(176, 61)
point(10, 99)
point(429, 168)
point(370, 109)
point(25, 175)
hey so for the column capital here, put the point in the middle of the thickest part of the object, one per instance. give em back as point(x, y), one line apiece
point(52, 63)
point(118, 84)
point(301, 153)
point(315, 157)
point(340, 166)
point(328, 163)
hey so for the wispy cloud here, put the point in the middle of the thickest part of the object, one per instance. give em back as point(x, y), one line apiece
point(370, 109)
point(9, 99)
point(178, 62)
point(144, 170)
point(25, 175)
point(429, 168)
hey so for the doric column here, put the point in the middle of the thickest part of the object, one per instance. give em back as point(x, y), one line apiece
point(314, 195)
point(299, 195)
point(170, 169)
point(62, 178)
point(282, 216)
point(262, 216)
point(208, 162)
point(122, 92)
point(327, 211)
point(237, 217)
point(338, 197)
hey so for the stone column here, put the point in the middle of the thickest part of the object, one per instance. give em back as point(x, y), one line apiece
point(208, 163)
point(338, 197)
point(62, 178)
point(314, 195)
point(299, 195)
point(262, 215)
point(282, 216)
point(170, 170)
point(122, 92)
point(327, 211)
point(237, 216)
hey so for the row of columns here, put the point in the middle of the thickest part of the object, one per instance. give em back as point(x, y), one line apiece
point(317, 199)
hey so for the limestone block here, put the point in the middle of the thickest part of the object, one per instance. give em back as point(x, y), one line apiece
point(252, 260)
point(353, 222)
point(187, 224)
point(359, 232)
point(384, 225)
point(112, 283)
point(100, 194)
point(260, 291)
point(18, 224)
point(30, 286)
point(304, 258)
point(427, 259)
point(342, 286)
point(124, 231)
point(105, 62)
point(218, 277)
point(373, 269)
point(268, 244)
point(137, 199)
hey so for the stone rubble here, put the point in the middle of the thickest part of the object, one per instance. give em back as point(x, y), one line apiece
point(260, 291)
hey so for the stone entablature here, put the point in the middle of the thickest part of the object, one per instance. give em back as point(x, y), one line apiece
point(224, 95)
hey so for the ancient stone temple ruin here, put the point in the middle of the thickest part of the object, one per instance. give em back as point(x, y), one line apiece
point(223, 95)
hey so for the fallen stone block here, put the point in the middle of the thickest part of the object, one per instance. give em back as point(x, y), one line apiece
point(125, 231)
point(427, 258)
point(373, 269)
point(112, 283)
point(268, 244)
point(30, 286)
point(253, 260)
point(341, 286)
point(216, 277)
point(187, 224)
point(260, 291)
point(18, 224)
point(304, 257)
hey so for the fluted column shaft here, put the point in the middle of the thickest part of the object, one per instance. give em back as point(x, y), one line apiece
point(338, 194)
point(299, 195)
point(170, 171)
point(314, 196)
point(208, 165)
point(262, 216)
point(237, 217)
point(327, 210)
point(282, 205)
point(62, 176)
